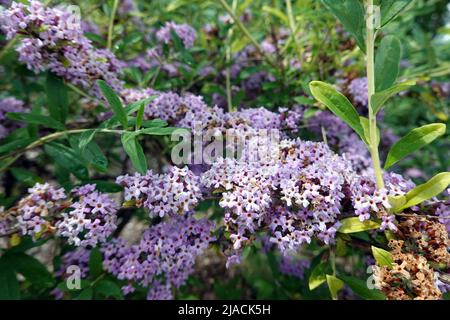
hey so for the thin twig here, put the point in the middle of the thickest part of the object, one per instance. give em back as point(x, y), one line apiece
point(111, 23)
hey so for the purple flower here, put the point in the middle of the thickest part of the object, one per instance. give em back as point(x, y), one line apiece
point(184, 31)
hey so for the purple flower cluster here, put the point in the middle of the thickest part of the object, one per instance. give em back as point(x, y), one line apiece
point(175, 192)
point(291, 266)
point(53, 40)
point(184, 31)
point(37, 211)
point(9, 105)
point(164, 257)
point(92, 218)
point(358, 89)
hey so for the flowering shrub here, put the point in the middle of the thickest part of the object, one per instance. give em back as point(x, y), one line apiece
point(145, 153)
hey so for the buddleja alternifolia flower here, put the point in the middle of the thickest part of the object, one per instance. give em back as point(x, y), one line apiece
point(53, 40)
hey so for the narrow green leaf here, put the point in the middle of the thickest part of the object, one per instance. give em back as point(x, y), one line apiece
point(360, 288)
point(33, 270)
point(414, 140)
point(107, 288)
point(95, 156)
point(95, 263)
point(25, 176)
point(9, 286)
point(387, 62)
point(318, 276)
point(159, 131)
point(428, 190)
point(57, 100)
point(140, 116)
point(36, 119)
point(365, 125)
point(85, 138)
point(352, 16)
point(338, 104)
point(334, 285)
point(382, 257)
point(114, 102)
point(396, 202)
point(67, 159)
point(16, 145)
point(134, 151)
point(379, 98)
point(391, 8)
point(86, 294)
point(353, 224)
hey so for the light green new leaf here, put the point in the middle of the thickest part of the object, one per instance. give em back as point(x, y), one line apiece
point(382, 257)
point(353, 224)
point(352, 16)
point(318, 276)
point(334, 285)
point(414, 140)
point(365, 124)
point(396, 202)
point(387, 63)
point(134, 151)
point(428, 190)
point(114, 102)
point(338, 104)
point(378, 99)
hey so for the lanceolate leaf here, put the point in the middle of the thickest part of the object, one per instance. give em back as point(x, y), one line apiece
point(387, 63)
point(360, 288)
point(353, 224)
point(338, 104)
point(57, 97)
point(391, 8)
point(134, 151)
point(352, 16)
point(9, 286)
point(428, 190)
point(318, 275)
point(36, 119)
point(414, 140)
point(379, 98)
point(114, 102)
point(67, 159)
point(334, 285)
point(382, 257)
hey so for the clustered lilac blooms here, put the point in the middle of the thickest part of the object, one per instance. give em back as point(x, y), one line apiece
point(164, 258)
point(175, 192)
point(90, 220)
point(298, 196)
point(358, 89)
point(53, 40)
point(36, 212)
point(292, 266)
point(184, 31)
point(9, 105)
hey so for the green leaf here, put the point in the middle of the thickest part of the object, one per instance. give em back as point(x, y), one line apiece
point(352, 16)
point(387, 62)
point(360, 288)
point(353, 224)
point(25, 176)
point(134, 151)
point(16, 145)
point(382, 257)
point(36, 119)
point(95, 156)
point(114, 102)
point(428, 190)
point(318, 276)
point(58, 103)
point(159, 131)
point(86, 294)
point(365, 125)
point(396, 202)
point(95, 263)
point(9, 286)
point(105, 186)
point(338, 104)
point(107, 288)
point(67, 159)
point(334, 285)
point(33, 270)
point(414, 140)
point(275, 12)
point(378, 99)
point(85, 138)
point(391, 8)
